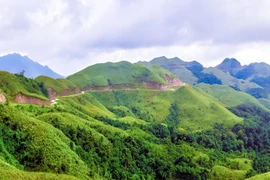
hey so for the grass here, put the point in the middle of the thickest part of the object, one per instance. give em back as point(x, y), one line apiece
point(196, 112)
point(52, 131)
point(59, 85)
point(11, 86)
point(55, 146)
point(199, 112)
point(228, 96)
point(178, 68)
point(10, 172)
point(265, 176)
point(221, 172)
point(265, 102)
point(117, 74)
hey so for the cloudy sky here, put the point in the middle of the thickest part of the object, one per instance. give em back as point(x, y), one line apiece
point(69, 35)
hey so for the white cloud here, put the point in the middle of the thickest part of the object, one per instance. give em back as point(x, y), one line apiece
point(69, 35)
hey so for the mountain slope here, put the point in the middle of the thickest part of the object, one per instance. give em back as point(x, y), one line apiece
point(230, 97)
point(190, 72)
point(195, 111)
point(231, 81)
point(11, 85)
point(59, 85)
point(176, 66)
point(254, 70)
point(122, 74)
point(15, 63)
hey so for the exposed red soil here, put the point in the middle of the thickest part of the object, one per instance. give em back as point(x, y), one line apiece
point(22, 99)
point(2, 98)
point(172, 84)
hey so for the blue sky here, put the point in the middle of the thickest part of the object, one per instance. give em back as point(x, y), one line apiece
point(69, 35)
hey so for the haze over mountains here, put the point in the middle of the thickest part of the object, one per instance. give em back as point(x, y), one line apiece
point(16, 63)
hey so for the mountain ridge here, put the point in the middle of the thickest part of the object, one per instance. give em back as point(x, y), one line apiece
point(16, 63)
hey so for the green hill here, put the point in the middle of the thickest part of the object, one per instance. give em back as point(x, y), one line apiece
point(118, 74)
point(176, 66)
point(195, 111)
point(230, 97)
point(132, 134)
point(59, 85)
point(11, 85)
point(118, 134)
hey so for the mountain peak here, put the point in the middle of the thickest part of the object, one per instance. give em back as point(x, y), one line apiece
point(16, 63)
point(230, 65)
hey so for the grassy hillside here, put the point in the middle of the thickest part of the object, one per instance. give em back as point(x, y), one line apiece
point(10, 172)
point(12, 84)
point(176, 66)
point(161, 72)
point(229, 80)
point(265, 176)
point(195, 112)
point(117, 74)
point(135, 134)
point(59, 85)
point(230, 97)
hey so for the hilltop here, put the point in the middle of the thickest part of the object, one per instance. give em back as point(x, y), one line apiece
point(230, 65)
point(123, 74)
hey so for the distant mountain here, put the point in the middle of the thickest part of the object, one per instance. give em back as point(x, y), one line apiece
point(15, 63)
point(254, 73)
point(190, 72)
point(175, 66)
point(230, 65)
point(253, 79)
point(229, 80)
point(254, 70)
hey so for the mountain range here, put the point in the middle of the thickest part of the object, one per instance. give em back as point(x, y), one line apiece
point(162, 119)
point(16, 63)
point(253, 78)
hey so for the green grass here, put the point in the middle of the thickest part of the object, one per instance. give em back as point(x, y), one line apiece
point(265, 102)
point(9, 172)
point(161, 72)
point(221, 172)
point(228, 96)
point(196, 112)
point(176, 66)
point(11, 86)
point(78, 138)
point(117, 74)
point(59, 85)
point(265, 176)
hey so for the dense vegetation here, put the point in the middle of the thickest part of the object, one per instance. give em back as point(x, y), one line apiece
point(59, 85)
point(12, 84)
point(134, 134)
point(79, 136)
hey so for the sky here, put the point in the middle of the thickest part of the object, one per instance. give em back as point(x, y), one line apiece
point(69, 35)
